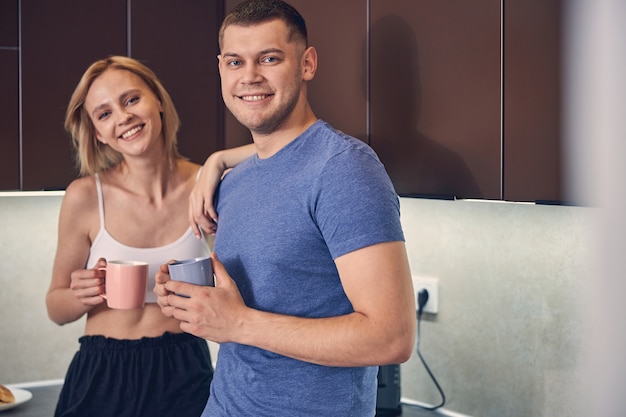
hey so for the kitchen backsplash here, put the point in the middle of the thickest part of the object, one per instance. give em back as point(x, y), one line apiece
point(508, 339)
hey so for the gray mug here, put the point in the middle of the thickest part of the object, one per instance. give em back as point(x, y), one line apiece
point(197, 271)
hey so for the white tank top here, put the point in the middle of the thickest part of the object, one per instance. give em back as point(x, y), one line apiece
point(105, 246)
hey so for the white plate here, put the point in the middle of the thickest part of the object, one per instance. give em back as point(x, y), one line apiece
point(21, 396)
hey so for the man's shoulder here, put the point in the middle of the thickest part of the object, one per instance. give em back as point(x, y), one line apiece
point(335, 141)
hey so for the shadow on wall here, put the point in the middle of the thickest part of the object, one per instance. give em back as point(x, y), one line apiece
point(417, 164)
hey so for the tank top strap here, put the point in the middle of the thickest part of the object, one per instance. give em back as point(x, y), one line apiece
point(100, 200)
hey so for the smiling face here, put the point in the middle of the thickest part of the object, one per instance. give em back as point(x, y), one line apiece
point(124, 111)
point(262, 73)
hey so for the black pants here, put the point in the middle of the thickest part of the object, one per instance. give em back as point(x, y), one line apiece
point(167, 376)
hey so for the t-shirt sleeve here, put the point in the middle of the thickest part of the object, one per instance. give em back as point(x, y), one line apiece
point(357, 205)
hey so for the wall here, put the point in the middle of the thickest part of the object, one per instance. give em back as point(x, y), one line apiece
point(506, 342)
point(31, 346)
point(508, 338)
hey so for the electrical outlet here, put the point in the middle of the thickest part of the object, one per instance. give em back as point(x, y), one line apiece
point(431, 284)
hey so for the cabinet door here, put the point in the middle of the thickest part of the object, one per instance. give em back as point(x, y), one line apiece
point(179, 42)
point(532, 67)
point(9, 97)
point(8, 23)
point(435, 95)
point(59, 41)
point(338, 91)
point(9, 123)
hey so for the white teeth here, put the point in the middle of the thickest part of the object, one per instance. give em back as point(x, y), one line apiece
point(254, 98)
point(131, 132)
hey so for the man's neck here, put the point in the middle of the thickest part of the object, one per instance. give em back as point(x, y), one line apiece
point(269, 144)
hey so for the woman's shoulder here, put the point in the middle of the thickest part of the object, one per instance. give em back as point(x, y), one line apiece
point(81, 185)
point(81, 193)
point(79, 211)
point(188, 169)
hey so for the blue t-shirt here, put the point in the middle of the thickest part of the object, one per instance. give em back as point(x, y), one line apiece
point(283, 221)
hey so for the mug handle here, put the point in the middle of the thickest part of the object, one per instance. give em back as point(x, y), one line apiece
point(103, 294)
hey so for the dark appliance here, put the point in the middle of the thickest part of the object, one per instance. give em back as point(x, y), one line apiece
point(388, 395)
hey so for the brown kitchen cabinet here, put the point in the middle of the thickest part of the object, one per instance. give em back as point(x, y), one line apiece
point(532, 154)
point(58, 42)
point(465, 97)
point(459, 99)
point(435, 95)
point(9, 10)
point(179, 42)
point(9, 96)
point(9, 126)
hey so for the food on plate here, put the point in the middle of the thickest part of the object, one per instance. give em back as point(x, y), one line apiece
point(6, 396)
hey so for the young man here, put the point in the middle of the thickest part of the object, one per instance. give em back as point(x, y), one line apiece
point(313, 284)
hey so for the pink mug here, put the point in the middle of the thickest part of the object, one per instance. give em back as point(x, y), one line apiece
point(125, 284)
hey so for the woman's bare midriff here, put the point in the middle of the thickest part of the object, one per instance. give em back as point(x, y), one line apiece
point(130, 324)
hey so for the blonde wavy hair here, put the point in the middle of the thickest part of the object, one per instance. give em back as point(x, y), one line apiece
point(90, 154)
